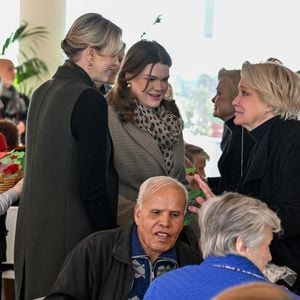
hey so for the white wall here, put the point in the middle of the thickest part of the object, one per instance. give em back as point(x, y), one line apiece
point(52, 15)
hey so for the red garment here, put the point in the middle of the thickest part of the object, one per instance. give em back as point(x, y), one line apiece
point(3, 143)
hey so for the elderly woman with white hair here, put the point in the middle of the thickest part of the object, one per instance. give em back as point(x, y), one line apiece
point(235, 233)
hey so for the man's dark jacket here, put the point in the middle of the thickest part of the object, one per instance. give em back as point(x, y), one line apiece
point(100, 267)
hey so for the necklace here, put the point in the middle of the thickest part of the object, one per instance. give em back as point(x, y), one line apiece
point(240, 270)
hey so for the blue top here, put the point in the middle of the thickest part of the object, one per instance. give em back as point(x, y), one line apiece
point(206, 280)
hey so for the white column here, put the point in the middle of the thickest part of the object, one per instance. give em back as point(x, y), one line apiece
point(52, 15)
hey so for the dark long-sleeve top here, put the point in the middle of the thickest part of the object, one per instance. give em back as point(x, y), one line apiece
point(234, 158)
point(89, 128)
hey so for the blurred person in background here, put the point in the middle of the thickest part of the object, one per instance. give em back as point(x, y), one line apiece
point(10, 130)
point(236, 143)
point(7, 198)
point(254, 291)
point(13, 105)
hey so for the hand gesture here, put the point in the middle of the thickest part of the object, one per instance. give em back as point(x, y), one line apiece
point(206, 190)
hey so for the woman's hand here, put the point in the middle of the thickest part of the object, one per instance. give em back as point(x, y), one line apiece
point(206, 190)
point(204, 187)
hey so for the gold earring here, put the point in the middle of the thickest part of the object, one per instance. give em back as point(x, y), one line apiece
point(128, 84)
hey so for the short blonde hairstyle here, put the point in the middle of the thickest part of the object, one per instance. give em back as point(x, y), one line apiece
point(92, 30)
point(226, 218)
point(234, 77)
point(156, 183)
point(277, 86)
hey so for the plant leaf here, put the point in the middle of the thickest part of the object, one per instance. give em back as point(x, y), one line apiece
point(30, 68)
point(158, 19)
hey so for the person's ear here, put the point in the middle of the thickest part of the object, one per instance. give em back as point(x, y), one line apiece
point(90, 52)
point(128, 76)
point(240, 247)
point(269, 109)
point(137, 214)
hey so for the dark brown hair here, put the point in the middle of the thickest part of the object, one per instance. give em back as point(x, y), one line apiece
point(9, 129)
point(140, 55)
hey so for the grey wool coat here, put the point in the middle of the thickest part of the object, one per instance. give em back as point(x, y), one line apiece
point(54, 213)
point(137, 156)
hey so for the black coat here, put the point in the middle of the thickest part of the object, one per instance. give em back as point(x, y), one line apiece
point(234, 158)
point(100, 267)
point(274, 177)
point(70, 188)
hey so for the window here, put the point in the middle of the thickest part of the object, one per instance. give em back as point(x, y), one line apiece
point(9, 25)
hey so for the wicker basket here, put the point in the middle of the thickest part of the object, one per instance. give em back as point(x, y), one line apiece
point(7, 182)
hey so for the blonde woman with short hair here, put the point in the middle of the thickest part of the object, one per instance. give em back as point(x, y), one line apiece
point(268, 106)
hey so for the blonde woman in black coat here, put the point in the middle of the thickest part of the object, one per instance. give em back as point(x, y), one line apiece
point(268, 106)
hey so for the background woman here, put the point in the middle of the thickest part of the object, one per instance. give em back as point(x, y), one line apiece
point(7, 198)
point(236, 143)
point(70, 186)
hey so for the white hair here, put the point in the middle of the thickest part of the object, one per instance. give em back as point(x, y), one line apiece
point(156, 183)
point(225, 218)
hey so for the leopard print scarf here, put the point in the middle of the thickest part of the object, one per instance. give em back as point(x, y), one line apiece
point(163, 126)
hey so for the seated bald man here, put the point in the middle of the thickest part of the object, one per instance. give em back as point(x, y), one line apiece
point(13, 105)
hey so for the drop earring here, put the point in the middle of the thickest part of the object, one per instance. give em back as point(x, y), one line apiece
point(128, 84)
